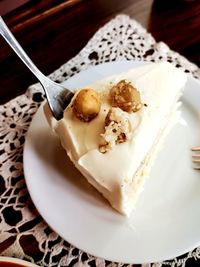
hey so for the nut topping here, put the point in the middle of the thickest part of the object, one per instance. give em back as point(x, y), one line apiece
point(117, 129)
point(86, 105)
point(125, 96)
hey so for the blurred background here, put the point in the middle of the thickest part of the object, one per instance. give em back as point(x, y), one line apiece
point(53, 31)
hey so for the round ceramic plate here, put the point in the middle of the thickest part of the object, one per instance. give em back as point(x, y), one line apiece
point(16, 261)
point(166, 222)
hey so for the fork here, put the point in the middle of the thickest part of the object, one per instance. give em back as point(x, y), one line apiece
point(58, 97)
point(196, 157)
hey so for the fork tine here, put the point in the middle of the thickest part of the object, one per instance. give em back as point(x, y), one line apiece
point(196, 168)
point(196, 156)
point(196, 160)
point(196, 148)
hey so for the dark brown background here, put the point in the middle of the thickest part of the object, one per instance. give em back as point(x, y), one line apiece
point(53, 31)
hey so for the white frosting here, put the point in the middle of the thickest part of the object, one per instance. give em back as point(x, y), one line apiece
point(116, 174)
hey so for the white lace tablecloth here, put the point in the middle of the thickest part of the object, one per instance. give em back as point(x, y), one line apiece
point(20, 224)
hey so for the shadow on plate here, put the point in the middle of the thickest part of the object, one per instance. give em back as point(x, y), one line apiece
point(48, 148)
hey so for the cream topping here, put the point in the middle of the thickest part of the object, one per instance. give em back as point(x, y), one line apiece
point(158, 84)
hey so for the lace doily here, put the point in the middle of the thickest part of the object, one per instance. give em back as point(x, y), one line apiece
point(20, 224)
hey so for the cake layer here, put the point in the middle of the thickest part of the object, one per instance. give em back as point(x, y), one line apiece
point(122, 167)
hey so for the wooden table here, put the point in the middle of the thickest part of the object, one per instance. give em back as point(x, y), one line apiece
point(43, 27)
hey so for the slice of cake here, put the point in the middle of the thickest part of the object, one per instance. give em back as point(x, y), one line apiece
point(113, 129)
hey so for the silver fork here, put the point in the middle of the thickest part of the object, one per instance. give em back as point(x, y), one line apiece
point(58, 97)
point(196, 157)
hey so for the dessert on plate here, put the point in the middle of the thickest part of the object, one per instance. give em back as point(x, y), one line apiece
point(113, 128)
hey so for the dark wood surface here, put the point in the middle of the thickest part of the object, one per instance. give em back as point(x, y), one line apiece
point(43, 27)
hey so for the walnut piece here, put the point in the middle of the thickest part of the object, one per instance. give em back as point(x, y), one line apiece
point(125, 96)
point(86, 105)
point(117, 129)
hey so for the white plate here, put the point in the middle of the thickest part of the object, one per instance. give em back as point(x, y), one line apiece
point(16, 261)
point(166, 222)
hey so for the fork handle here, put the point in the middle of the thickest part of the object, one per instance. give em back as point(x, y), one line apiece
point(10, 39)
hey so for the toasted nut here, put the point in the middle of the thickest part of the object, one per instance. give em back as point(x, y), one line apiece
point(86, 105)
point(125, 96)
point(118, 129)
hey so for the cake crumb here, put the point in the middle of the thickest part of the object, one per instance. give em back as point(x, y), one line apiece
point(117, 129)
